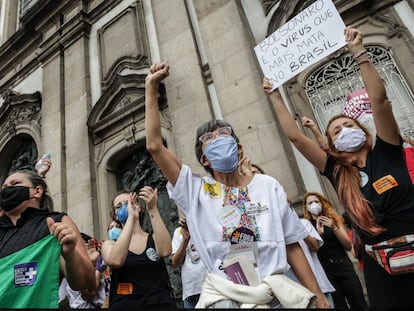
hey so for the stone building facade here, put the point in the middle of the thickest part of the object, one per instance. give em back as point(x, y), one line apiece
point(72, 78)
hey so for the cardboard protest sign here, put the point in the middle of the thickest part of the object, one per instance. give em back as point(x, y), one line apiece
point(358, 105)
point(305, 39)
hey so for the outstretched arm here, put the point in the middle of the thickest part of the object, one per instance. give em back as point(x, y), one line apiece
point(165, 159)
point(304, 144)
point(385, 123)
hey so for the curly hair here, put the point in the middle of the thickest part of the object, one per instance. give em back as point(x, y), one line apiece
point(327, 208)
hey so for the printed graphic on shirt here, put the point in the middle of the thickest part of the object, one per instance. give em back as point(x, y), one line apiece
point(242, 235)
point(25, 274)
point(236, 217)
point(364, 178)
point(194, 256)
point(229, 216)
point(214, 190)
point(255, 209)
point(384, 184)
point(152, 254)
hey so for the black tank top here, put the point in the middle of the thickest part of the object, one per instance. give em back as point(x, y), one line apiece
point(141, 282)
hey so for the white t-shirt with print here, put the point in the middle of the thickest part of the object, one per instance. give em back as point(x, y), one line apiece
point(193, 271)
point(211, 224)
point(313, 260)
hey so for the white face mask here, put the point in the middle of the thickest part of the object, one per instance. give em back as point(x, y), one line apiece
point(314, 208)
point(350, 140)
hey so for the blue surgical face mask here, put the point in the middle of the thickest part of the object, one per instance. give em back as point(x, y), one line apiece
point(114, 233)
point(122, 213)
point(223, 155)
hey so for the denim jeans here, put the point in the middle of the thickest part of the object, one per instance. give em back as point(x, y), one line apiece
point(191, 301)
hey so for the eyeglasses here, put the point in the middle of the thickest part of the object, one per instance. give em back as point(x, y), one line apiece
point(119, 204)
point(206, 138)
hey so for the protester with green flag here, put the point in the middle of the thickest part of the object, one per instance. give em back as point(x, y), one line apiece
point(37, 246)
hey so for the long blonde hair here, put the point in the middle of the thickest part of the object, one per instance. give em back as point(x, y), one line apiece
point(348, 179)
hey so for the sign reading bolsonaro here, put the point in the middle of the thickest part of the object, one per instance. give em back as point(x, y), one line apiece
point(305, 39)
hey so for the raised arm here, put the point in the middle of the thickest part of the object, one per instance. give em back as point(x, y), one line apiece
point(114, 253)
point(385, 123)
point(165, 159)
point(310, 124)
point(304, 144)
point(162, 238)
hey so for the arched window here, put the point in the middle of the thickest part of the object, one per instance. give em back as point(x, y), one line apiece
point(19, 153)
point(328, 87)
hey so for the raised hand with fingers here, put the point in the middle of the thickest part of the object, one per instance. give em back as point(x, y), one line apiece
point(149, 195)
point(308, 122)
point(133, 206)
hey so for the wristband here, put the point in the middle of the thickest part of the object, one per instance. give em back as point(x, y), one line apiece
point(363, 62)
point(360, 53)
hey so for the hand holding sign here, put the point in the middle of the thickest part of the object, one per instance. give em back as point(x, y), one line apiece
point(354, 38)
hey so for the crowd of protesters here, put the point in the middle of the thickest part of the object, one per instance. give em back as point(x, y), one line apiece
point(239, 243)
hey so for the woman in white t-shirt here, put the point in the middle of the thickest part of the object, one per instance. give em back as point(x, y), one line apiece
point(215, 206)
point(310, 245)
point(193, 271)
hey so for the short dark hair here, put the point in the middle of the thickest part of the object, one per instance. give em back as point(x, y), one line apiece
point(46, 201)
point(206, 127)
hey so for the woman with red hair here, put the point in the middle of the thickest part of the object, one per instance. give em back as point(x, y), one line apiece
point(332, 254)
point(372, 183)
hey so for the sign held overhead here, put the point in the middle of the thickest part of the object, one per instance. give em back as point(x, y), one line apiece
point(305, 39)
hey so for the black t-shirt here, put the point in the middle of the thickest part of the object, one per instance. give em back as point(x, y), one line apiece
point(30, 228)
point(141, 282)
point(385, 183)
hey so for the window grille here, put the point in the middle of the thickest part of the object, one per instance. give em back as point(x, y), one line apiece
point(328, 86)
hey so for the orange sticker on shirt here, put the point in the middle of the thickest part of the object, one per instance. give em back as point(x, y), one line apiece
point(124, 289)
point(384, 184)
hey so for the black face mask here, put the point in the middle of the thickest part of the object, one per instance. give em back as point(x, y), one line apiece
point(12, 196)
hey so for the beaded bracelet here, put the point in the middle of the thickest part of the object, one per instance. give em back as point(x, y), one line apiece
point(360, 53)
